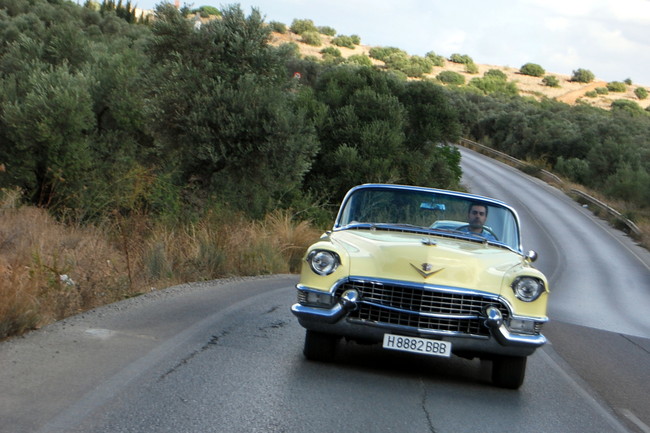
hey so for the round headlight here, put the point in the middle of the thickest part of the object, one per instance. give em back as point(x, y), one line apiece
point(323, 262)
point(528, 288)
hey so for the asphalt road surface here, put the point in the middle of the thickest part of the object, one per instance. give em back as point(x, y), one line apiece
point(225, 356)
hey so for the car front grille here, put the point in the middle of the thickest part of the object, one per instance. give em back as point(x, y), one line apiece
point(423, 308)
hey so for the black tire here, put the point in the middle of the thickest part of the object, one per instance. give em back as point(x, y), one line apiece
point(319, 346)
point(509, 371)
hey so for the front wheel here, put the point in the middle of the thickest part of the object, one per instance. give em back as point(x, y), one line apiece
point(509, 371)
point(319, 346)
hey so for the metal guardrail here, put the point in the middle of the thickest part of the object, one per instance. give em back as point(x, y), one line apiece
point(552, 178)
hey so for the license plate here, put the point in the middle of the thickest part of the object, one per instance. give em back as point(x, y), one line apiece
point(422, 346)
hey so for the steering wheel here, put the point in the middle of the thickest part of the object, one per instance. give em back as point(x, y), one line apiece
point(465, 228)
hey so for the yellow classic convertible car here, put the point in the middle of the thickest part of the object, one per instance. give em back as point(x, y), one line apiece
point(425, 271)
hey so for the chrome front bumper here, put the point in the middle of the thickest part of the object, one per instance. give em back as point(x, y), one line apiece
point(335, 320)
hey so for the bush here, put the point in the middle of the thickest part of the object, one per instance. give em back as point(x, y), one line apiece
point(532, 69)
point(331, 55)
point(451, 77)
point(356, 39)
point(359, 59)
point(311, 38)
point(641, 93)
point(207, 11)
point(471, 68)
point(418, 66)
point(382, 53)
point(343, 41)
point(435, 59)
point(494, 84)
point(278, 27)
point(591, 94)
point(413, 66)
point(616, 86)
point(626, 105)
point(582, 76)
point(551, 81)
point(301, 26)
point(496, 74)
point(602, 90)
point(628, 81)
point(461, 58)
point(332, 51)
point(326, 30)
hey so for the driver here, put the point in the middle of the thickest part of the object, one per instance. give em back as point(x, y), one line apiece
point(476, 217)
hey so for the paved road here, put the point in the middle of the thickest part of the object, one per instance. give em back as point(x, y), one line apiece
point(226, 356)
point(600, 282)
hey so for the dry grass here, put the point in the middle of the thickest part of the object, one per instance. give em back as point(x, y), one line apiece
point(49, 271)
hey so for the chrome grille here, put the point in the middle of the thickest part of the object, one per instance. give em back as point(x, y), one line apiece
point(422, 308)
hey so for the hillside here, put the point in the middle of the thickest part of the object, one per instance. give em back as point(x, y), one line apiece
point(568, 92)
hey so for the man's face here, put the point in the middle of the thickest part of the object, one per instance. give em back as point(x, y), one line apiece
point(477, 216)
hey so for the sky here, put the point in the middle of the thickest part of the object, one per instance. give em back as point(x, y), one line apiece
point(611, 38)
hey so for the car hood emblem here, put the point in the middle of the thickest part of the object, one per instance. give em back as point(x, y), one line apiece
point(426, 269)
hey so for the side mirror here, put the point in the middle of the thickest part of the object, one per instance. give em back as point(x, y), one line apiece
point(531, 256)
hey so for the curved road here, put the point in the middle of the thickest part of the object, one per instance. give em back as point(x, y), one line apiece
point(225, 356)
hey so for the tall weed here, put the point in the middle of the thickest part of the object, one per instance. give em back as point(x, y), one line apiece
point(50, 270)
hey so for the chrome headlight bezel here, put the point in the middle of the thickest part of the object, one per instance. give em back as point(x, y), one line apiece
point(323, 262)
point(528, 289)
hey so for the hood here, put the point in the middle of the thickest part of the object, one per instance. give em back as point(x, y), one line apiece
point(426, 259)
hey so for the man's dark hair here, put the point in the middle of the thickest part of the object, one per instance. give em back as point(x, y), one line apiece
point(471, 205)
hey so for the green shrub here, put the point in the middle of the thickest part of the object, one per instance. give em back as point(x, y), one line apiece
point(278, 27)
point(301, 26)
point(451, 77)
point(626, 105)
point(591, 94)
point(359, 59)
point(356, 39)
point(435, 59)
point(331, 55)
point(574, 169)
point(382, 53)
point(602, 90)
point(496, 74)
point(641, 92)
point(582, 76)
point(412, 66)
point(551, 81)
point(418, 66)
point(207, 11)
point(311, 38)
point(471, 68)
point(343, 41)
point(494, 84)
point(532, 69)
point(461, 58)
point(616, 86)
point(291, 49)
point(332, 51)
point(628, 81)
point(327, 30)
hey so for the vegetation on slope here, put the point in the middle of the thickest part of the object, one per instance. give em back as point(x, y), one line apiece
point(138, 154)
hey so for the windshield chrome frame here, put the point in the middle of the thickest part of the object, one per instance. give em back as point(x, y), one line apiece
point(424, 230)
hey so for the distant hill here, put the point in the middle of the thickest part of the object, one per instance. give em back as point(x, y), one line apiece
point(568, 92)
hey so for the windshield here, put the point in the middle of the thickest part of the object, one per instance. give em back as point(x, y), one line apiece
point(439, 212)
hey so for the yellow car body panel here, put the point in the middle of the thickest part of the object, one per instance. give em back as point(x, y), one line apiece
point(454, 263)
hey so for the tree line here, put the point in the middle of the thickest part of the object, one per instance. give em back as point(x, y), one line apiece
point(101, 115)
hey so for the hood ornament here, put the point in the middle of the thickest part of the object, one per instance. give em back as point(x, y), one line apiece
point(426, 269)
